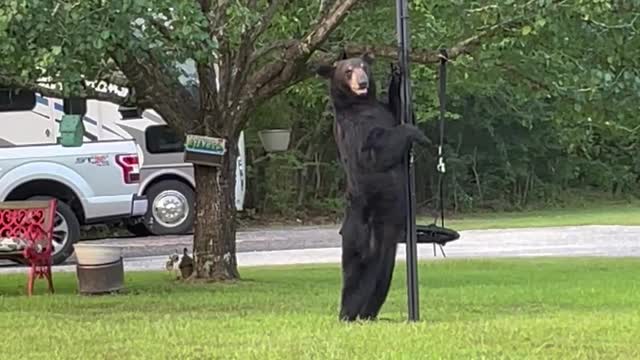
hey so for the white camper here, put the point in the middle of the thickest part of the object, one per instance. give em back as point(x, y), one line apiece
point(165, 179)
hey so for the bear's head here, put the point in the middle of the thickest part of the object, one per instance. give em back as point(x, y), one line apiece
point(350, 78)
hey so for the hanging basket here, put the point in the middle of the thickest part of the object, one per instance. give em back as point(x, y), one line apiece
point(275, 140)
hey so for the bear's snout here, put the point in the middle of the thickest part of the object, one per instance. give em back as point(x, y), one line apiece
point(359, 82)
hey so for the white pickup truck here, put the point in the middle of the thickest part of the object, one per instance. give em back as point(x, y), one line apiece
point(94, 183)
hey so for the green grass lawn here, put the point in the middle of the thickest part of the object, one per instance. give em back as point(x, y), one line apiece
point(471, 309)
point(599, 214)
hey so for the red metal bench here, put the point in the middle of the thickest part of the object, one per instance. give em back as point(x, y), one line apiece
point(26, 232)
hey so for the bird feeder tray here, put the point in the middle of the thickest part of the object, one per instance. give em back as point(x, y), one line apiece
point(204, 150)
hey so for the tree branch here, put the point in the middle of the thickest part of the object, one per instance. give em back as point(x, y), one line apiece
point(420, 56)
point(535, 83)
point(208, 94)
point(155, 88)
point(262, 52)
point(290, 67)
point(113, 77)
point(210, 99)
point(261, 83)
point(264, 23)
point(326, 24)
point(215, 15)
point(431, 56)
point(162, 29)
point(244, 55)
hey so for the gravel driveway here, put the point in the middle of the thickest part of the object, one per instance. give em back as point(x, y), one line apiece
point(297, 245)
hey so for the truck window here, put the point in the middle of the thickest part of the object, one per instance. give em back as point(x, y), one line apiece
point(16, 100)
point(75, 106)
point(162, 139)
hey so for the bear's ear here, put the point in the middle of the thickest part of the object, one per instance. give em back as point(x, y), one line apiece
point(343, 55)
point(325, 71)
point(368, 57)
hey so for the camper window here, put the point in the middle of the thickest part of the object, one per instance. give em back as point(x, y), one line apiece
point(16, 100)
point(75, 106)
point(162, 139)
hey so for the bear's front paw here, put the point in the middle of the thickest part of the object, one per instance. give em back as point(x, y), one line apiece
point(421, 138)
point(416, 135)
point(395, 70)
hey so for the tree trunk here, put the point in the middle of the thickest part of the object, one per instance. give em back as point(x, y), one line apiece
point(215, 228)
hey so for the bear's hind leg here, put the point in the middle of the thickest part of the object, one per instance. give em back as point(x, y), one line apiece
point(388, 237)
point(352, 274)
point(358, 266)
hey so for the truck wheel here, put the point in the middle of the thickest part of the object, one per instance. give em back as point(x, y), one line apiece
point(66, 230)
point(171, 208)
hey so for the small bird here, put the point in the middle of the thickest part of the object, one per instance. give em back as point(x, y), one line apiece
point(181, 265)
point(186, 264)
point(173, 258)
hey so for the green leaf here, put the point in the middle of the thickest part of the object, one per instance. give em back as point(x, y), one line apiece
point(577, 107)
point(526, 30)
point(540, 23)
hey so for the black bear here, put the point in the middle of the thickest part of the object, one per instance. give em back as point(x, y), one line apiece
point(371, 144)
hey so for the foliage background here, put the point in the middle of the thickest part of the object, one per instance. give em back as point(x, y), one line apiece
point(541, 114)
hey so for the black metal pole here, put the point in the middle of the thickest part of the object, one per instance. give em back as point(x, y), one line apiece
point(402, 15)
point(444, 57)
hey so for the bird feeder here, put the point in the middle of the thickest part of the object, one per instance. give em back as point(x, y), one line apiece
point(204, 150)
point(71, 131)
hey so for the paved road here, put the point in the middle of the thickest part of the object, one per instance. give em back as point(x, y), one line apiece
point(297, 245)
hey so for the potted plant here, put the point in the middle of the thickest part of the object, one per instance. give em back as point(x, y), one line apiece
point(97, 254)
point(275, 132)
point(99, 268)
point(274, 140)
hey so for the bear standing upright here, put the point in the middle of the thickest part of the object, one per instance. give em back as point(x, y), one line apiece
point(371, 144)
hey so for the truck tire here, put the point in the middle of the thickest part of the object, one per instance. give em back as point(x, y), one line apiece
point(171, 208)
point(66, 230)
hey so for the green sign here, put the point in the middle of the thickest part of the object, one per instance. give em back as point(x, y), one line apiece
point(204, 150)
point(205, 145)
